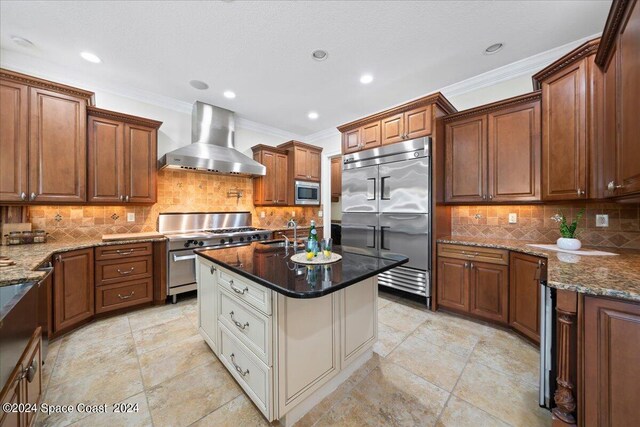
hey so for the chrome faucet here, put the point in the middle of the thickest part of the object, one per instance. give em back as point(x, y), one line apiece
point(294, 225)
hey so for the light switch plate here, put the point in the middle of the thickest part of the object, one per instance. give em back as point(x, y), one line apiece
point(513, 218)
point(320, 214)
point(602, 220)
point(131, 216)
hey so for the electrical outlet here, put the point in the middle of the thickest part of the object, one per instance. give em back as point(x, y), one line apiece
point(602, 220)
point(131, 216)
point(513, 218)
point(320, 214)
point(293, 214)
point(263, 214)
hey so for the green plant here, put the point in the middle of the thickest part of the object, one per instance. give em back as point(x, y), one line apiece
point(568, 231)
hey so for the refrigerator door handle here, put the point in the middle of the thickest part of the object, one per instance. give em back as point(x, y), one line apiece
point(371, 188)
point(382, 245)
point(373, 237)
point(384, 188)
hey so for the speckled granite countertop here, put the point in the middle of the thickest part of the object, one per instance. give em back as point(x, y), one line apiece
point(29, 257)
point(614, 276)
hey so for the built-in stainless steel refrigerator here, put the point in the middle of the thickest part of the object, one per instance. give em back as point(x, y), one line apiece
point(386, 200)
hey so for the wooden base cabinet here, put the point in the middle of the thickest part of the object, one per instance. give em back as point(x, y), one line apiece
point(525, 273)
point(611, 362)
point(489, 290)
point(73, 289)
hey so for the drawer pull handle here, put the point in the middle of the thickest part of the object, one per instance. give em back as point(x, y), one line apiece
point(126, 296)
point(212, 269)
point(30, 372)
point(238, 368)
point(471, 255)
point(123, 253)
point(238, 290)
point(124, 273)
point(238, 324)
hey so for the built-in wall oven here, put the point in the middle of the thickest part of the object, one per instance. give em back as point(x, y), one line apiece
point(307, 193)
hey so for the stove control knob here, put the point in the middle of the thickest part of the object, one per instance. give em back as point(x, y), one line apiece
point(264, 236)
point(256, 236)
point(187, 243)
point(242, 239)
point(230, 239)
point(222, 241)
point(200, 243)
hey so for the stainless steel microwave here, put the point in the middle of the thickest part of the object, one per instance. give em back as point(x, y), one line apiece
point(307, 193)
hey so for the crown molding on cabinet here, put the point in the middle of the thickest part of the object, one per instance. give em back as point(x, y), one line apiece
point(494, 106)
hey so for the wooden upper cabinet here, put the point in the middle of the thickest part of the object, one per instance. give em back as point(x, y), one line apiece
point(466, 159)
point(314, 165)
point(57, 147)
point(514, 153)
point(489, 291)
point(412, 120)
point(493, 152)
point(73, 288)
point(619, 55)
point(417, 122)
point(272, 188)
point(304, 161)
point(525, 272)
point(351, 141)
point(301, 163)
point(122, 157)
point(393, 129)
point(370, 135)
point(14, 141)
point(336, 177)
point(611, 368)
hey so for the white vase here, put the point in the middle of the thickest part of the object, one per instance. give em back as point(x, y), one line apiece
point(569, 244)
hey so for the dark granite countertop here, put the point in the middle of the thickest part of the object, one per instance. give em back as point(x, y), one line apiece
point(613, 276)
point(29, 257)
point(271, 266)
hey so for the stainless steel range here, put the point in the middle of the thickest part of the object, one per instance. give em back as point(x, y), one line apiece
point(189, 231)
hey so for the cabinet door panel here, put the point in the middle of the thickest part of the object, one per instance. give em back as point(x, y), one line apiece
point(417, 122)
point(392, 129)
point(488, 291)
point(301, 163)
point(524, 294)
point(281, 179)
point(351, 141)
point(73, 295)
point(611, 368)
point(466, 160)
point(33, 388)
point(106, 160)
point(628, 142)
point(269, 161)
point(336, 177)
point(13, 395)
point(313, 165)
point(140, 163)
point(514, 153)
point(14, 141)
point(564, 134)
point(57, 147)
point(453, 287)
point(370, 135)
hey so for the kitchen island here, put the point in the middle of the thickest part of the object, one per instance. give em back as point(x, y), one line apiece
point(289, 333)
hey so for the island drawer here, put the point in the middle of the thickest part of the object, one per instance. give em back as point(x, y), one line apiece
point(253, 294)
point(115, 271)
point(123, 251)
point(250, 372)
point(247, 324)
point(475, 253)
point(121, 295)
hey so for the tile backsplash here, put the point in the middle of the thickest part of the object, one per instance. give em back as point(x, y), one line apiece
point(178, 191)
point(535, 223)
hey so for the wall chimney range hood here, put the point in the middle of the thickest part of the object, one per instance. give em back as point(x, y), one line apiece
point(212, 148)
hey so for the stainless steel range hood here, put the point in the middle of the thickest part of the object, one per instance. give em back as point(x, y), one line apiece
point(212, 148)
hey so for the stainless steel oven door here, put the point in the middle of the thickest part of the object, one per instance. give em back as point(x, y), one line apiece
point(307, 193)
point(182, 268)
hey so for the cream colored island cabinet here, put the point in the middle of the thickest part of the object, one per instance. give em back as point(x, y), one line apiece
point(286, 353)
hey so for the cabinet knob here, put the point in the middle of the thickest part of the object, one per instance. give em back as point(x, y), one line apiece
point(490, 196)
point(33, 196)
point(580, 192)
point(126, 199)
point(213, 269)
point(122, 198)
point(612, 186)
point(484, 197)
point(23, 196)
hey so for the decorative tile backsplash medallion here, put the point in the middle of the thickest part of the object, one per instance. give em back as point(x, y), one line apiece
point(178, 191)
point(534, 223)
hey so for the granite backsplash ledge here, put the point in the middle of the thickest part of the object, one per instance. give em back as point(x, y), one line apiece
point(535, 223)
point(178, 191)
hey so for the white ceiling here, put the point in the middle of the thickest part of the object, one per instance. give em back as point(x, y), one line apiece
point(262, 49)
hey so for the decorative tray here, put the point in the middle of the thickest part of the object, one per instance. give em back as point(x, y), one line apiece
point(301, 258)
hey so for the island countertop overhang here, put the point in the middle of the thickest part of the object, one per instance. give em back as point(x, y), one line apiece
point(272, 268)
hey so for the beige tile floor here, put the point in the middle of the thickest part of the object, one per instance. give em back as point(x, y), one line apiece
point(428, 369)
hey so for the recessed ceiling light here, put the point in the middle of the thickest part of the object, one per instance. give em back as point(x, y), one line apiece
point(229, 94)
point(366, 79)
point(312, 115)
point(494, 48)
point(88, 56)
point(319, 55)
point(20, 41)
point(199, 84)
